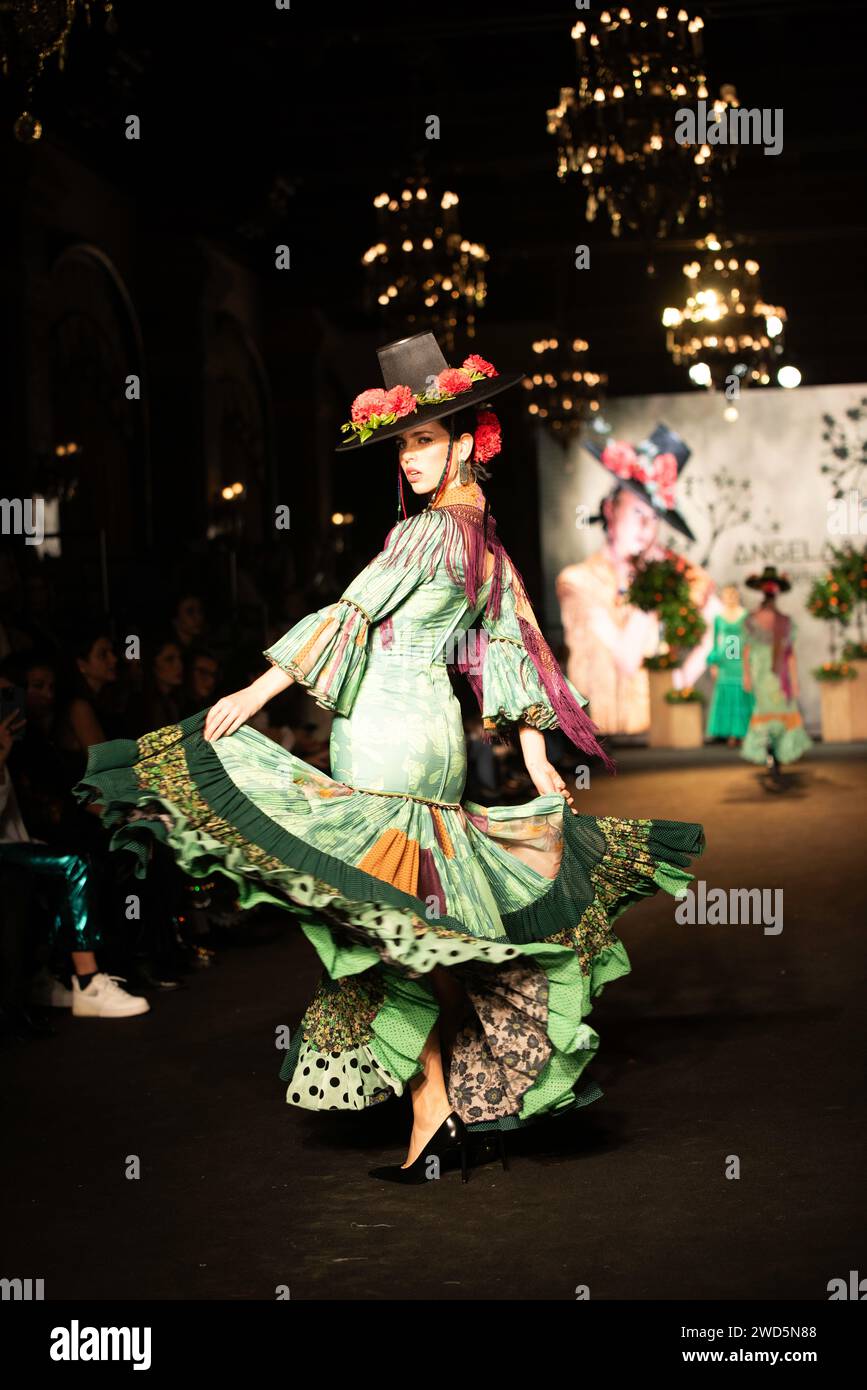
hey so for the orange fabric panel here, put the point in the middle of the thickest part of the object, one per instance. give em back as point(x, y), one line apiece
point(442, 834)
point(394, 858)
point(790, 719)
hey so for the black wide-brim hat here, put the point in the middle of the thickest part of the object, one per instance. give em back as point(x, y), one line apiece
point(416, 362)
point(662, 441)
point(769, 575)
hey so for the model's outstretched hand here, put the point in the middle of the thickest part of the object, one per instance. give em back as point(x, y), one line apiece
point(230, 713)
point(546, 779)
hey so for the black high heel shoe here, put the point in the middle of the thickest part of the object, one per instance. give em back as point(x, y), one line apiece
point(448, 1139)
point(500, 1151)
point(501, 1146)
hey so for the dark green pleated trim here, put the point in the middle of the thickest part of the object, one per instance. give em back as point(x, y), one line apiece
point(109, 776)
point(572, 891)
point(219, 791)
point(559, 909)
point(562, 906)
point(119, 788)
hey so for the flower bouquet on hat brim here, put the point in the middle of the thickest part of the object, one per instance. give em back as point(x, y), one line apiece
point(377, 407)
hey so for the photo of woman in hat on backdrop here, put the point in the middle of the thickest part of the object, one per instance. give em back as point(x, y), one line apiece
point(461, 945)
point(608, 637)
point(776, 734)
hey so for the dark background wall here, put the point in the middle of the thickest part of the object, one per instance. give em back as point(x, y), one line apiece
point(263, 127)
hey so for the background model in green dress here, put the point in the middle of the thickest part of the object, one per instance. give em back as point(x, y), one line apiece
point(776, 734)
point(731, 705)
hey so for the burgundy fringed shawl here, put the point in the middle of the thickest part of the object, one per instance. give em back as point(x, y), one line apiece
point(464, 556)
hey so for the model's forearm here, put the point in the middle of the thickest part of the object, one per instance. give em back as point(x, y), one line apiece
point(270, 683)
point(532, 746)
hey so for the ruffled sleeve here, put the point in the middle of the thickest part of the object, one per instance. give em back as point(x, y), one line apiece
point(327, 650)
point(521, 680)
point(512, 690)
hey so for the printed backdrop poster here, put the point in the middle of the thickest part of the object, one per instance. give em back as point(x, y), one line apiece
point(753, 493)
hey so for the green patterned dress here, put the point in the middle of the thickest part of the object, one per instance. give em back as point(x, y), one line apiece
point(775, 725)
point(387, 870)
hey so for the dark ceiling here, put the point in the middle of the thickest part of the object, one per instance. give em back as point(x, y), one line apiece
point(326, 104)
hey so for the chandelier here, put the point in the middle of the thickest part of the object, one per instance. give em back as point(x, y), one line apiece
point(725, 330)
point(562, 393)
point(616, 130)
point(422, 270)
point(31, 32)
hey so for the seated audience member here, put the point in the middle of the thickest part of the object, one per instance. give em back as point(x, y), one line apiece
point(32, 871)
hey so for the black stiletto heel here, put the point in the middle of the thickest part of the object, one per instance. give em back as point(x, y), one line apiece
point(450, 1138)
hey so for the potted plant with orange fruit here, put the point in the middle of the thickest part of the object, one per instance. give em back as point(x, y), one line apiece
point(662, 586)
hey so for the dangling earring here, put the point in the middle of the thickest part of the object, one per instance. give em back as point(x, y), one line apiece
point(463, 472)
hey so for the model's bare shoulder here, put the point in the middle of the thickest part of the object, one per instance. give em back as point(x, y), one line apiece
point(572, 577)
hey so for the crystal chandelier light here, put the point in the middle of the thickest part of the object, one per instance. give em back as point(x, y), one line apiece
point(562, 393)
point(638, 65)
point(422, 270)
point(31, 32)
point(724, 329)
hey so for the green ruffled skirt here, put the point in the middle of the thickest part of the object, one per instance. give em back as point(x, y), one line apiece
point(787, 740)
point(730, 710)
point(518, 900)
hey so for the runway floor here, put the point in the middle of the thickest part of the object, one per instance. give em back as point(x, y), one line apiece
point(723, 1041)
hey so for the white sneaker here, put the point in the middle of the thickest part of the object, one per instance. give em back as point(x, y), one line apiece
point(47, 992)
point(103, 998)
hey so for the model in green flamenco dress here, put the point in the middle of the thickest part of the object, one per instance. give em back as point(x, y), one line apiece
point(776, 734)
point(731, 705)
point(462, 946)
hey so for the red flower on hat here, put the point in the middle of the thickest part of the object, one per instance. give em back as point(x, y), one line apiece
point(488, 436)
point(474, 363)
point(452, 381)
point(399, 401)
point(621, 458)
point(369, 403)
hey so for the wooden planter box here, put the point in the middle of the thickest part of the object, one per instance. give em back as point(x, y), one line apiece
point(659, 735)
point(672, 726)
point(685, 725)
point(858, 700)
point(837, 708)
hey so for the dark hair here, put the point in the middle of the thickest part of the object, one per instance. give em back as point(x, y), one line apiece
point(182, 593)
point(84, 639)
point(611, 497)
point(12, 668)
point(156, 641)
point(71, 684)
point(194, 651)
point(18, 665)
